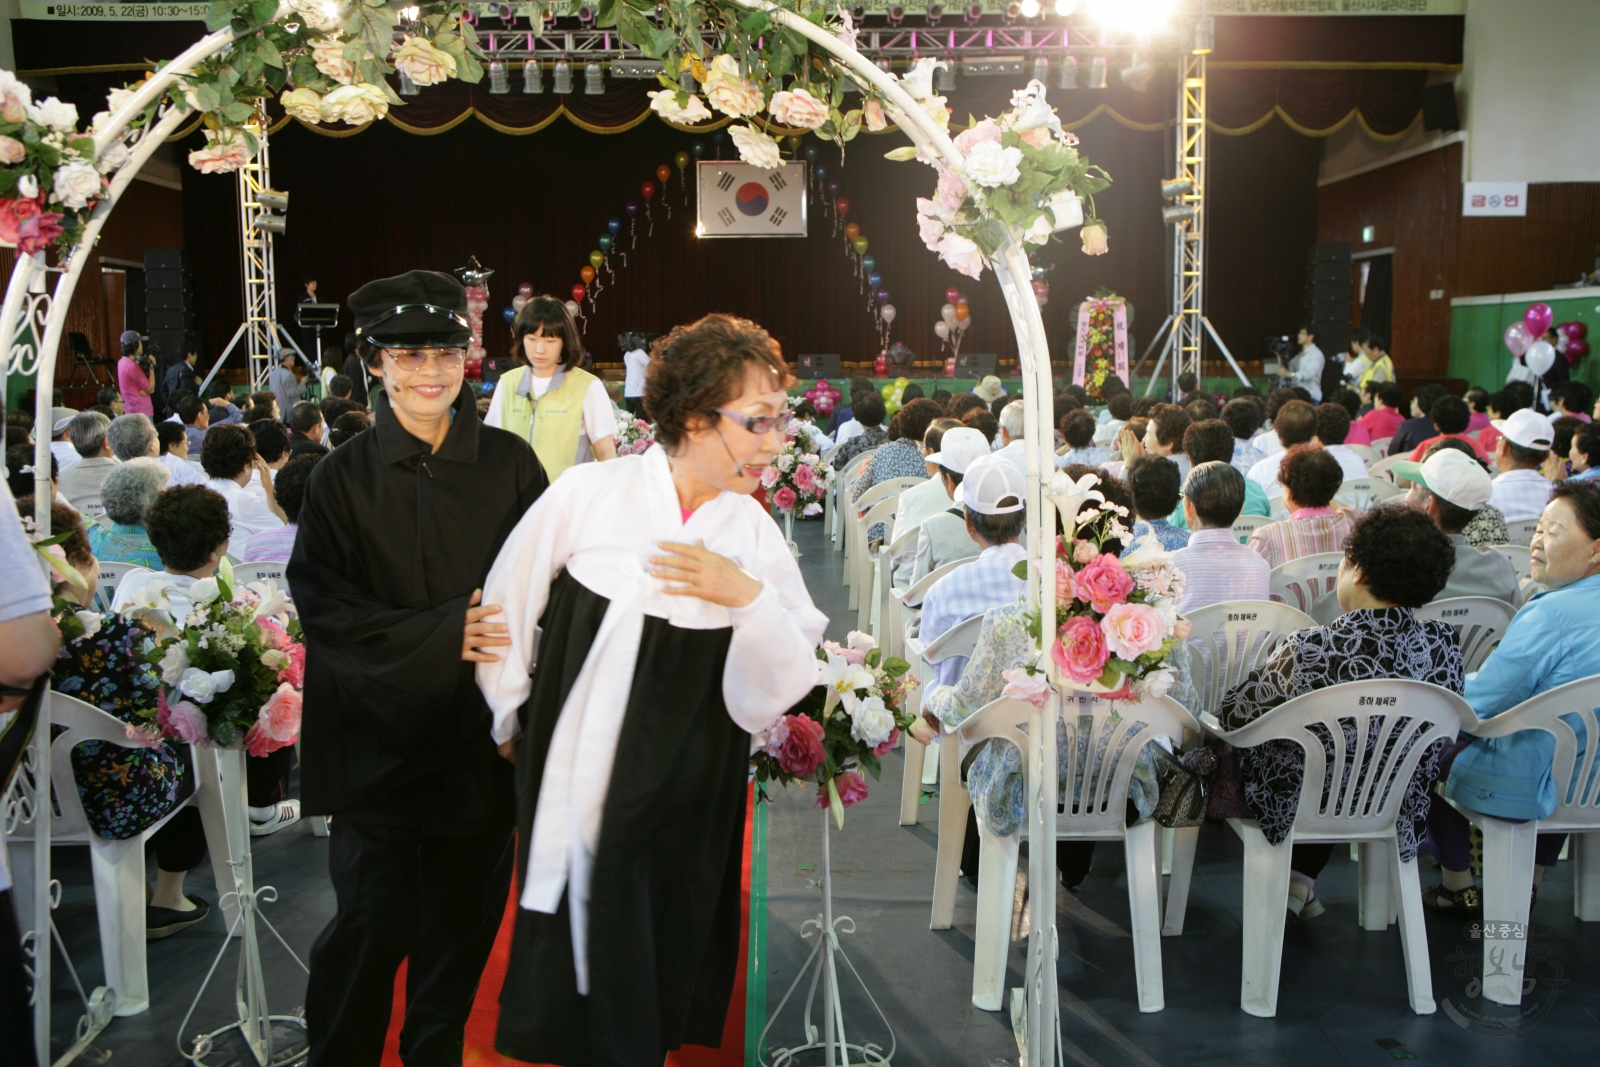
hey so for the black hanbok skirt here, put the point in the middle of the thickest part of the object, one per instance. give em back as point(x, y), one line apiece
point(664, 908)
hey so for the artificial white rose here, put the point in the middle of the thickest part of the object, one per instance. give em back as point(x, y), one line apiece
point(203, 686)
point(226, 151)
point(116, 98)
point(11, 85)
point(90, 621)
point(303, 104)
point(798, 109)
point(174, 662)
point(55, 114)
point(664, 102)
point(422, 62)
point(991, 166)
point(728, 92)
point(329, 57)
point(755, 147)
point(76, 182)
point(872, 115)
point(27, 186)
point(861, 641)
point(871, 722)
point(1156, 683)
point(1040, 231)
point(204, 591)
point(355, 105)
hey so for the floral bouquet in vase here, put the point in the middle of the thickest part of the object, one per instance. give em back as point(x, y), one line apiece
point(845, 725)
point(797, 479)
point(634, 436)
point(232, 668)
point(1116, 624)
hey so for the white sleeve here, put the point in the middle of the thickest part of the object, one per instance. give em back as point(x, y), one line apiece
point(599, 415)
point(496, 414)
point(519, 582)
point(772, 660)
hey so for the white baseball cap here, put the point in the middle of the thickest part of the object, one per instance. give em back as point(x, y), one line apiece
point(958, 448)
point(1451, 475)
point(989, 480)
point(1526, 428)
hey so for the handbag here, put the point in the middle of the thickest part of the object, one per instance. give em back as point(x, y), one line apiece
point(1182, 800)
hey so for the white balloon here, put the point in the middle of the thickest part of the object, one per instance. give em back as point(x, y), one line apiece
point(1540, 357)
point(962, 324)
point(519, 301)
point(943, 330)
point(888, 312)
point(574, 309)
point(948, 314)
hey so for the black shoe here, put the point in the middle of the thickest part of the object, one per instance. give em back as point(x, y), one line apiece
point(1466, 902)
point(164, 922)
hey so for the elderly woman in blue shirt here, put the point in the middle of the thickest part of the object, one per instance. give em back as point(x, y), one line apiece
point(1553, 640)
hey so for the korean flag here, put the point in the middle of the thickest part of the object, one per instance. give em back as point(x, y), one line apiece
point(738, 200)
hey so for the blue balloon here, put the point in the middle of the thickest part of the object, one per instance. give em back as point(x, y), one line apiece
point(614, 225)
point(874, 279)
point(811, 153)
point(510, 313)
point(697, 149)
point(718, 137)
point(822, 172)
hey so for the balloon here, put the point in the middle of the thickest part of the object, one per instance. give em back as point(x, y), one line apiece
point(1517, 339)
point(578, 293)
point(1538, 318)
point(963, 312)
point(883, 296)
point(888, 313)
point(869, 264)
point(631, 208)
point(1041, 292)
point(842, 206)
point(1541, 357)
point(698, 149)
point(822, 172)
point(519, 302)
point(852, 230)
point(948, 314)
point(574, 308)
point(718, 137)
point(952, 295)
point(663, 174)
point(1577, 349)
point(614, 225)
point(942, 330)
point(1578, 331)
point(861, 246)
point(962, 324)
point(587, 274)
point(606, 242)
point(887, 390)
point(510, 314)
point(874, 279)
point(794, 142)
point(525, 289)
point(596, 258)
point(647, 190)
point(681, 159)
point(833, 188)
point(811, 153)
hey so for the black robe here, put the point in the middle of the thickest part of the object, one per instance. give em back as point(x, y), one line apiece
point(392, 541)
point(664, 908)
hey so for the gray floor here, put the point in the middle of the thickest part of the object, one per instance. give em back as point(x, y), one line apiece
point(1342, 997)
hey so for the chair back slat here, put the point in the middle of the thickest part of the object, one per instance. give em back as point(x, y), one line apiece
point(1231, 639)
point(1363, 493)
point(1382, 468)
point(111, 574)
point(1522, 531)
point(1304, 581)
point(1480, 622)
point(882, 491)
point(1245, 525)
point(959, 640)
point(1558, 712)
point(245, 573)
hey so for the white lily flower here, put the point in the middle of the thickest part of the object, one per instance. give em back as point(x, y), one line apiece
point(1069, 495)
point(204, 591)
point(844, 678)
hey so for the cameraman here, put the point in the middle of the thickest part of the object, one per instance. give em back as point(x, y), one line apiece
point(1305, 369)
point(136, 376)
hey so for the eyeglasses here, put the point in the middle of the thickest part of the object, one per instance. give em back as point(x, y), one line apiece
point(414, 359)
point(756, 424)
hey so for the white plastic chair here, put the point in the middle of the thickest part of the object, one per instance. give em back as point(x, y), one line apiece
point(245, 573)
point(1508, 846)
point(905, 609)
point(830, 510)
point(110, 575)
point(890, 637)
point(858, 564)
point(1384, 466)
point(953, 800)
point(1368, 454)
point(1092, 807)
point(1480, 623)
point(1381, 446)
point(848, 509)
point(1304, 581)
point(1522, 531)
point(1245, 525)
point(1521, 558)
point(873, 570)
point(1363, 493)
point(1362, 805)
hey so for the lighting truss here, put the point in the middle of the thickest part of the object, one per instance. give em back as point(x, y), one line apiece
point(260, 276)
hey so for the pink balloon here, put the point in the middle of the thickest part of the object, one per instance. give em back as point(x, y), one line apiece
point(1538, 318)
point(1517, 338)
point(1575, 331)
point(952, 295)
point(1577, 349)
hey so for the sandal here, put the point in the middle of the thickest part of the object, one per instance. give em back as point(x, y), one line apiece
point(1466, 902)
point(287, 814)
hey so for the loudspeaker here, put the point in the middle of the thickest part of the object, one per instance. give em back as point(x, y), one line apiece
point(976, 364)
point(166, 279)
point(820, 366)
point(1328, 300)
point(165, 259)
point(169, 319)
point(1439, 107)
point(169, 305)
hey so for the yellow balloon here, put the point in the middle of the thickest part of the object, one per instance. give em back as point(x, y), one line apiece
point(902, 382)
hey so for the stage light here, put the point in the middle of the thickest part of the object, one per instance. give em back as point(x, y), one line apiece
point(934, 13)
point(1137, 76)
point(586, 16)
point(563, 77)
point(944, 78)
point(1066, 7)
point(594, 83)
point(498, 83)
point(1029, 9)
point(273, 200)
point(1176, 187)
point(1097, 73)
point(857, 13)
point(270, 200)
point(895, 15)
point(1041, 70)
point(532, 77)
point(1067, 78)
point(1012, 12)
point(1205, 35)
point(1134, 16)
point(410, 13)
point(973, 13)
point(1173, 214)
point(273, 224)
point(407, 86)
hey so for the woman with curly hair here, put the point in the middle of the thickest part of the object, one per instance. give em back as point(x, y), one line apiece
point(1396, 560)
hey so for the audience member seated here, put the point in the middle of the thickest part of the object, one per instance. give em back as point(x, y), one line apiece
point(133, 437)
point(1162, 437)
point(307, 429)
point(954, 449)
point(127, 494)
point(1584, 455)
point(1449, 415)
point(1156, 487)
point(1267, 441)
point(845, 423)
point(1419, 427)
point(901, 458)
point(962, 403)
point(1488, 525)
point(1521, 490)
point(196, 419)
point(333, 407)
point(1553, 640)
point(1385, 419)
point(1501, 406)
point(1119, 409)
point(19, 473)
point(1350, 400)
point(1078, 430)
point(1309, 478)
point(289, 487)
point(1242, 415)
point(985, 422)
point(349, 425)
point(1213, 441)
point(1450, 487)
point(266, 401)
point(992, 494)
point(340, 386)
point(1217, 567)
point(1478, 401)
point(229, 459)
point(126, 790)
point(174, 445)
point(272, 445)
point(1572, 398)
point(1333, 429)
point(1012, 444)
point(1296, 424)
point(869, 411)
point(1558, 464)
point(80, 483)
point(1396, 561)
point(60, 441)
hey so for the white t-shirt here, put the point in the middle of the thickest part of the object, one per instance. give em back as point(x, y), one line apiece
point(636, 361)
point(247, 511)
point(66, 455)
point(852, 428)
point(182, 471)
point(599, 416)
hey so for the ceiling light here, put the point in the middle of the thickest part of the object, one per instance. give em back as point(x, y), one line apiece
point(563, 77)
point(1067, 72)
point(498, 82)
point(944, 78)
point(275, 224)
point(934, 13)
point(594, 83)
point(1176, 213)
point(1205, 35)
point(1097, 73)
point(895, 15)
point(1066, 7)
point(1029, 9)
point(1041, 69)
point(1134, 16)
point(532, 77)
point(973, 13)
point(1176, 186)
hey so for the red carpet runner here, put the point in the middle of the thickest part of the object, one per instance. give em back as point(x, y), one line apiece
point(486, 1010)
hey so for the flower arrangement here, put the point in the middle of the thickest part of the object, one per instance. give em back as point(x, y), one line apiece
point(843, 727)
point(1100, 342)
point(634, 436)
point(797, 480)
point(231, 670)
point(1116, 622)
point(1022, 175)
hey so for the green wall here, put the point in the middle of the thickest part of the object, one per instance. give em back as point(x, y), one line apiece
point(1478, 352)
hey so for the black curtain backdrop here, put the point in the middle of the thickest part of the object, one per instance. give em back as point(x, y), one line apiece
point(383, 201)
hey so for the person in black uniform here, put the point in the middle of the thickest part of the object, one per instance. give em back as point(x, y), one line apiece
point(397, 533)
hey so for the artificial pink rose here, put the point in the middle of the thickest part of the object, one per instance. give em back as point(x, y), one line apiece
point(258, 744)
point(14, 212)
point(929, 228)
point(1133, 629)
point(853, 656)
point(279, 717)
point(798, 109)
point(182, 720)
point(1020, 685)
point(987, 130)
point(13, 109)
point(785, 499)
point(770, 476)
point(805, 478)
point(888, 743)
point(1084, 551)
point(273, 635)
point(852, 790)
point(1080, 649)
point(961, 254)
point(1125, 693)
point(12, 151)
point(872, 115)
point(38, 233)
point(1103, 582)
point(294, 671)
point(950, 193)
point(1064, 586)
point(801, 753)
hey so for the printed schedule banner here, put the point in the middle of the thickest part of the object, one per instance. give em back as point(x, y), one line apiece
point(120, 10)
point(738, 200)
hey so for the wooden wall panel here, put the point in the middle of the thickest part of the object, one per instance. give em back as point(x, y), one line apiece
point(1557, 241)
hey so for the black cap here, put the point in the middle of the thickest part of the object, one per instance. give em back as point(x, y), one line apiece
point(418, 309)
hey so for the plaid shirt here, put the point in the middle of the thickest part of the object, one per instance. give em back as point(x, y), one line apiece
point(1521, 494)
point(1304, 533)
point(986, 582)
point(897, 459)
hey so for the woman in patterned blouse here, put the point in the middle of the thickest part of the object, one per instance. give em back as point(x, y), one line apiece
point(1392, 564)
